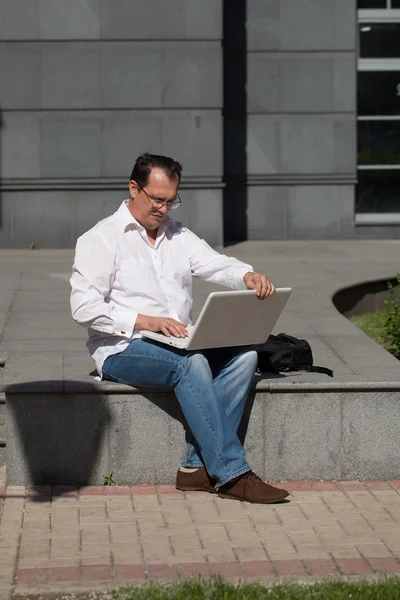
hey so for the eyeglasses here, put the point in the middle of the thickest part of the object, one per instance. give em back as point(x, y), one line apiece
point(160, 203)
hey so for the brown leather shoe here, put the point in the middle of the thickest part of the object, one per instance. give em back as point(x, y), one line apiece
point(250, 488)
point(197, 481)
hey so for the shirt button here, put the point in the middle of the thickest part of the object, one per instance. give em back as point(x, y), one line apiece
point(123, 332)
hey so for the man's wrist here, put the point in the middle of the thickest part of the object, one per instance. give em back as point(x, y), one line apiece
point(141, 322)
point(247, 274)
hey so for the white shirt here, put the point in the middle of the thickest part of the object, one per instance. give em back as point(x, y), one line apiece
point(118, 273)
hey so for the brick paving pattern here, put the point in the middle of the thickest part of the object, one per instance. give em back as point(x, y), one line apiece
point(69, 539)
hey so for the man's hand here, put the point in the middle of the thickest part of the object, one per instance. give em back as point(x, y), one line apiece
point(166, 325)
point(256, 281)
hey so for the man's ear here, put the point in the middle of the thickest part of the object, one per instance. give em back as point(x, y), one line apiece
point(133, 189)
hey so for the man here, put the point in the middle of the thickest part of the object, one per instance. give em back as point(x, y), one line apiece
point(133, 271)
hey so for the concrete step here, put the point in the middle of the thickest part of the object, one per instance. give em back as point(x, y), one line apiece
point(304, 431)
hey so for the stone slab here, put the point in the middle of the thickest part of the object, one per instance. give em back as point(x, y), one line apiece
point(177, 75)
point(20, 144)
point(156, 19)
point(34, 370)
point(370, 435)
point(302, 436)
point(83, 60)
point(47, 325)
point(19, 20)
point(79, 153)
point(129, 436)
point(79, 19)
point(301, 83)
point(19, 70)
point(286, 24)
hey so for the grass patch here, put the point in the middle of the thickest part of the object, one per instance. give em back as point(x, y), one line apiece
point(383, 326)
point(219, 589)
point(373, 324)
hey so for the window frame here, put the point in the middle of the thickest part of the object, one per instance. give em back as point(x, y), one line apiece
point(378, 15)
point(382, 15)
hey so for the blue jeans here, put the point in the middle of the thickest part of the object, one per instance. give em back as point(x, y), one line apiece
point(211, 387)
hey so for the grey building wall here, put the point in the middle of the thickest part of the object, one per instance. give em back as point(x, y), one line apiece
point(86, 85)
point(301, 137)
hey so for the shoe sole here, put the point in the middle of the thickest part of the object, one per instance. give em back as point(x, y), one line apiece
point(272, 501)
point(194, 489)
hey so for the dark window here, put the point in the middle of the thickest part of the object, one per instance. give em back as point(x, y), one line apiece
point(372, 4)
point(379, 40)
point(379, 143)
point(378, 191)
point(395, 3)
point(379, 93)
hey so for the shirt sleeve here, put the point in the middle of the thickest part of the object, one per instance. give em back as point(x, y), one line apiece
point(209, 265)
point(92, 278)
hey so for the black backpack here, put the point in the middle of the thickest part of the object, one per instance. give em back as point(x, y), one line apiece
point(286, 353)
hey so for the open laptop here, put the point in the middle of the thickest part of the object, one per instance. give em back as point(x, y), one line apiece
point(233, 318)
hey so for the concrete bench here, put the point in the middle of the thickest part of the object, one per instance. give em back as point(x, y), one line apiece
point(74, 432)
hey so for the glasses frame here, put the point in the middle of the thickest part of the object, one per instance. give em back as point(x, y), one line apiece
point(168, 203)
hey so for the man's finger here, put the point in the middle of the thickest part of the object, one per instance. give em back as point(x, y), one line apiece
point(177, 329)
point(264, 287)
point(173, 327)
point(260, 289)
point(264, 292)
point(176, 332)
point(259, 284)
point(271, 289)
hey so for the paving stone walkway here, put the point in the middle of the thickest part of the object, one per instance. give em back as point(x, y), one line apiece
point(67, 539)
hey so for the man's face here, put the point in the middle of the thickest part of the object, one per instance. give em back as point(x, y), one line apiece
point(143, 206)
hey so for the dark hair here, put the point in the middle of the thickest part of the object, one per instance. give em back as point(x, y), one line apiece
point(146, 162)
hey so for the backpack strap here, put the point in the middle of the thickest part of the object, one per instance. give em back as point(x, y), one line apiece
point(323, 370)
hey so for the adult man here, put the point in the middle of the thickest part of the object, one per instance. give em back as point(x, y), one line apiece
point(133, 271)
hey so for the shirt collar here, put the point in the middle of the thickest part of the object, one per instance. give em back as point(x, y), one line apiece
point(127, 221)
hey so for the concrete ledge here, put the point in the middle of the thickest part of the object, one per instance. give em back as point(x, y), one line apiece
point(291, 432)
point(364, 297)
point(283, 384)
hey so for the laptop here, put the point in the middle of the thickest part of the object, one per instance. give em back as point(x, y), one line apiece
point(233, 318)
